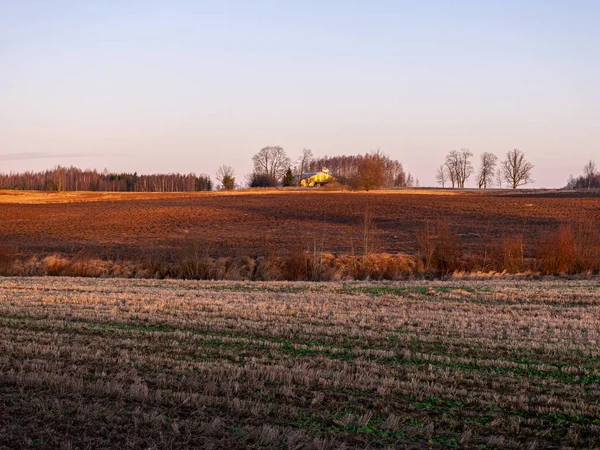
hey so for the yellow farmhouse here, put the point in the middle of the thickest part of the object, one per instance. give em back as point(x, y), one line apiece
point(316, 178)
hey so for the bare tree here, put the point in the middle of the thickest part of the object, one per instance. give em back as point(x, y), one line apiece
point(304, 161)
point(452, 167)
point(516, 169)
point(441, 176)
point(486, 170)
point(499, 177)
point(459, 166)
point(271, 162)
point(466, 168)
point(226, 176)
point(589, 172)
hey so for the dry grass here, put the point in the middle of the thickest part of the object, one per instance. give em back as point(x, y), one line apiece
point(87, 363)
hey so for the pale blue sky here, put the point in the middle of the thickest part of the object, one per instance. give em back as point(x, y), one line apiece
point(187, 85)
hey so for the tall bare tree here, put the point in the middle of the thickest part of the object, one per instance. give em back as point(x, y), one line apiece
point(226, 176)
point(466, 168)
point(271, 162)
point(589, 172)
point(452, 165)
point(441, 176)
point(486, 170)
point(304, 161)
point(459, 166)
point(516, 169)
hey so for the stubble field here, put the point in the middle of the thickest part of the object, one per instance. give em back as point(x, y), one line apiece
point(87, 363)
point(130, 225)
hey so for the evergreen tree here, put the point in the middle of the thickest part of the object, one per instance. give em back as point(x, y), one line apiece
point(288, 178)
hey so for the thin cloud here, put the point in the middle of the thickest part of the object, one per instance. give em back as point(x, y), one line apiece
point(40, 155)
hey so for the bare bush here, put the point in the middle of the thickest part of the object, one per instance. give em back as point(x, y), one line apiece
point(194, 261)
point(261, 180)
point(438, 249)
point(570, 249)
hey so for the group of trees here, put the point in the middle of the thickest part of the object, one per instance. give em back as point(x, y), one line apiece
point(373, 170)
point(457, 169)
point(270, 165)
point(369, 171)
point(514, 170)
point(273, 166)
point(74, 179)
point(590, 179)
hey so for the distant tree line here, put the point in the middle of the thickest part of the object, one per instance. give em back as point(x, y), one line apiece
point(372, 170)
point(590, 179)
point(74, 179)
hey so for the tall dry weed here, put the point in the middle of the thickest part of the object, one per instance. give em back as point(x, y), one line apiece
point(439, 249)
point(513, 255)
point(557, 252)
point(8, 255)
point(570, 249)
point(194, 262)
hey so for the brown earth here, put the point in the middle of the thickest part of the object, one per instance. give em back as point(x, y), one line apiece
point(250, 222)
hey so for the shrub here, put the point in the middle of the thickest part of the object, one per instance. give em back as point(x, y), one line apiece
point(241, 268)
point(194, 262)
point(570, 249)
point(438, 249)
point(260, 180)
point(155, 265)
point(587, 242)
point(297, 264)
point(557, 252)
point(80, 265)
point(7, 260)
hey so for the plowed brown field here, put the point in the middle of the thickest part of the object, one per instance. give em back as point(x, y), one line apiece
point(247, 223)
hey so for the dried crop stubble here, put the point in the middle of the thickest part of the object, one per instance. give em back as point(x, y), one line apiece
point(138, 363)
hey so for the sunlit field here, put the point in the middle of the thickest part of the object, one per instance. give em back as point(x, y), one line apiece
point(299, 235)
point(249, 223)
point(90, 363)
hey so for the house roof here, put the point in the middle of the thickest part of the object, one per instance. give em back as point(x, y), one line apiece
point(306, 175)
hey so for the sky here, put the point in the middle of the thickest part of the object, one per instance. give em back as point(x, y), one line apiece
point(185, 86)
